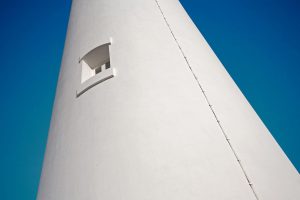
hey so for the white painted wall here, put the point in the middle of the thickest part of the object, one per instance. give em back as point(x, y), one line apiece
point(149, 132)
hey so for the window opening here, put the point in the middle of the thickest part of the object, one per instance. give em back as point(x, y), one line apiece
point(95, 68)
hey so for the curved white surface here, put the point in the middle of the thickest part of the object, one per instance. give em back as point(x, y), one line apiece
point(149, 132)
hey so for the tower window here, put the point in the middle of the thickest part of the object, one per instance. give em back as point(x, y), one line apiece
point(95, 68)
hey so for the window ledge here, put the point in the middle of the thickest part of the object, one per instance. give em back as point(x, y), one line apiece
point(98, 78)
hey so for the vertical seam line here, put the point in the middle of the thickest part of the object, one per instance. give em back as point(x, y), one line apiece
point(208, 102)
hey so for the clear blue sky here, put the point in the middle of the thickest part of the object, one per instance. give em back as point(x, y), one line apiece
point(257, 41)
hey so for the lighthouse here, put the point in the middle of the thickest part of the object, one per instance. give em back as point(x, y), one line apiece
point(144, 110)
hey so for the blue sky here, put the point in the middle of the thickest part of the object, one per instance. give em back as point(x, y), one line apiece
point(257, 41)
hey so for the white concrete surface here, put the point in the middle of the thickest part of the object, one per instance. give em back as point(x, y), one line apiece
point(150, 132)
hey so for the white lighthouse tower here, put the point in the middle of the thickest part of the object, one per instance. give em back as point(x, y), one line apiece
point(144, 110)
